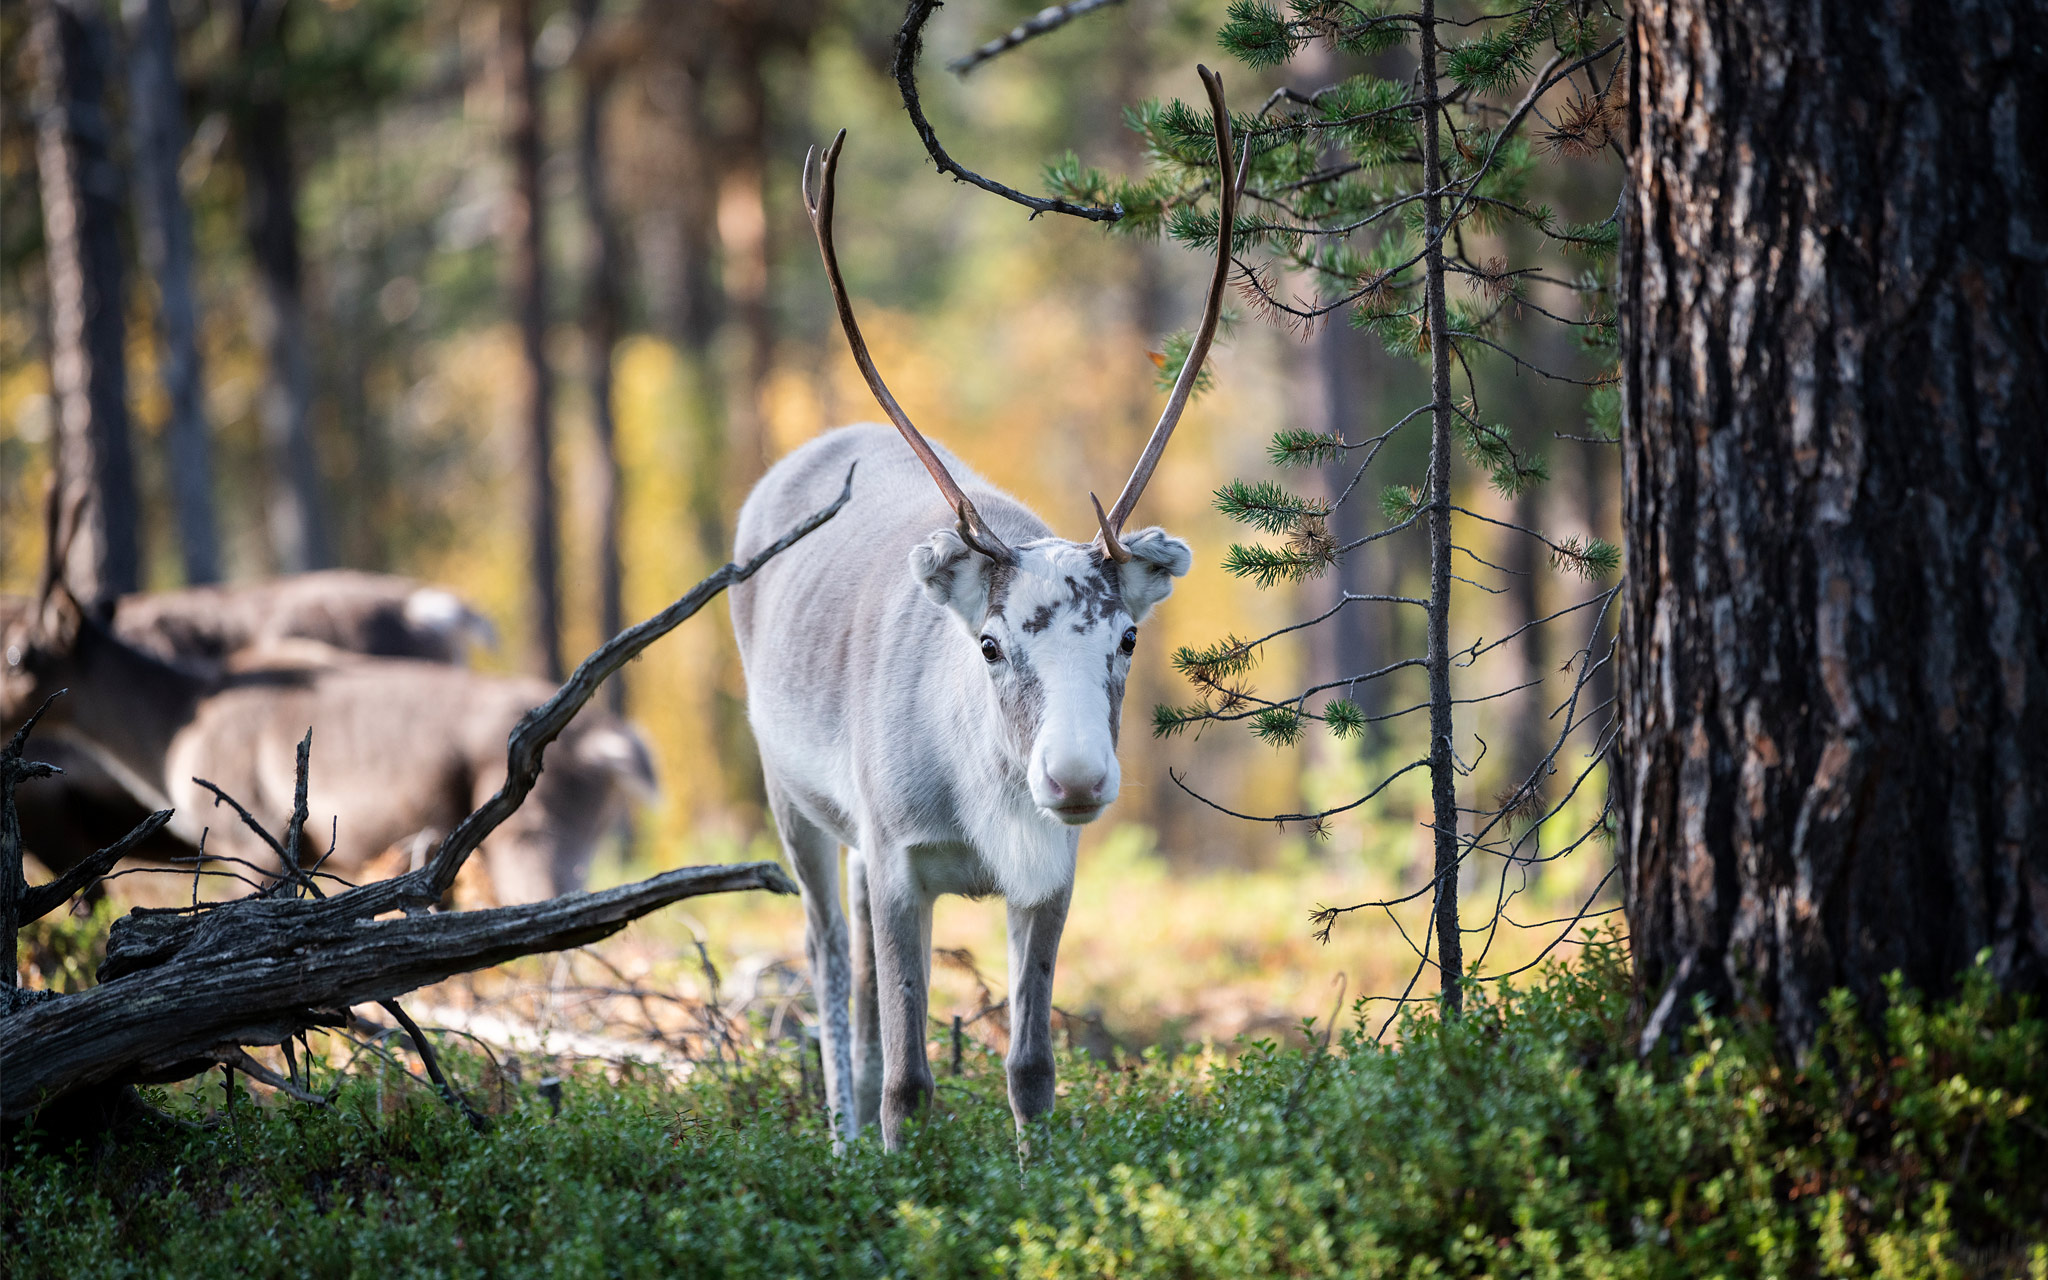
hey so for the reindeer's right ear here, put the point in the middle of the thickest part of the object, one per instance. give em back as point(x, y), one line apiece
point(953, 574)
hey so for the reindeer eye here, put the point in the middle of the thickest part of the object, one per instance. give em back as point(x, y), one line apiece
point(990, 650)
point(1130, 639)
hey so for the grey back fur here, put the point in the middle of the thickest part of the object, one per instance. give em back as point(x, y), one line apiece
point(378, 614)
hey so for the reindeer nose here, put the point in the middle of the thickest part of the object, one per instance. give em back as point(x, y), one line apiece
point(1075, 782)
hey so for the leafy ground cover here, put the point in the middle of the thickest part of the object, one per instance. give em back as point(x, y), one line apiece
point(1525, 1138)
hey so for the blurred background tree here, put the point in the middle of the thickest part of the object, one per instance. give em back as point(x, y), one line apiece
point(362, 374)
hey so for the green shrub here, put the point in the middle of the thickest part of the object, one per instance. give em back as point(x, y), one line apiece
point(1522, 1139)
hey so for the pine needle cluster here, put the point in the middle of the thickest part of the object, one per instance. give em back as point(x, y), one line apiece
point(1589, 558)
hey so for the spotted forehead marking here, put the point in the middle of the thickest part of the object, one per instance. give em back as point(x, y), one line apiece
point(1060, 581)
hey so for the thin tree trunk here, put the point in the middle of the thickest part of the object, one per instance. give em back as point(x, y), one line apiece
point(601, 329)
point(81, 194)
point(297, 519)
point(156, 118)
point(1443, 780)
point(527, 230)
point(1834, 757)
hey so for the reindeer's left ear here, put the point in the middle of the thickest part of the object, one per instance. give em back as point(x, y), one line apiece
point(1157, 558)
point(59, 619)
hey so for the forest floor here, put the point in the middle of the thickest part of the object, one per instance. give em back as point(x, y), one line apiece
point(1526, 1137)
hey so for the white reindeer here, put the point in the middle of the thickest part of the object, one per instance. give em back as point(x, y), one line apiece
point(954, 726)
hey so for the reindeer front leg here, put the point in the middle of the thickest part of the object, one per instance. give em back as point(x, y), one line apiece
point(901, 916)
point(1034, 947)
point(867, 1013)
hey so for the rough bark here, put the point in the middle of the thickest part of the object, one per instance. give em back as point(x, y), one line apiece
point(527, 235)
point(81, 194)
point(1834, 760)
point(156, 125)
point(1443, 780)
point(296, 515)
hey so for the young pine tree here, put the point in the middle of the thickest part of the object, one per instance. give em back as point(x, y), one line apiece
point(1398, 199)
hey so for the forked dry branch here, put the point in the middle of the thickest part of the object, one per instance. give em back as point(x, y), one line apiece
point(185, 989)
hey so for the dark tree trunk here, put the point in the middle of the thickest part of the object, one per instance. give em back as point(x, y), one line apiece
point(675, 234)
point(81, 191)
point(1443, 780)
point(601, 327)
point(1834, 758)
point(156, 117)
point(297, 521)
point(527, 232)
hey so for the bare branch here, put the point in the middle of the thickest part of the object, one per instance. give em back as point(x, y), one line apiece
point(42, 899)
point(433, 1064)
point(239, 1059)
point(1050, 18)
point(540, 726)
point(15, 770)
point(144, 938)
point(909, 44)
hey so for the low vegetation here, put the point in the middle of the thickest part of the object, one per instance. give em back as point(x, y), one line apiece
point(1525, 1138)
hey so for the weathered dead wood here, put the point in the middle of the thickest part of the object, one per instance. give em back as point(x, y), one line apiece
point(263, 969)
point(181, 990)
point(42, 899)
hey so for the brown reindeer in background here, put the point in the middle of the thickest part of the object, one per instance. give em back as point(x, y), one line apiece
point(402, 745)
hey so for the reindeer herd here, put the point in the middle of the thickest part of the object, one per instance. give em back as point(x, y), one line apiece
point(951, 727)
point(219, 683)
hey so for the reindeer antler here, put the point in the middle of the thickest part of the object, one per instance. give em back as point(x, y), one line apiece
point(974, 531)
point(1184, 386)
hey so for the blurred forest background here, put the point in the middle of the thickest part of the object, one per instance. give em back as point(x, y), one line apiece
point(353, 169)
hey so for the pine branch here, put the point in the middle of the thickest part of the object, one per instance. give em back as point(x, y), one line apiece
point(1298, 448)
point(1225, 660)
point(1266, 506)
point(1589, 558)
point(1267, 566)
